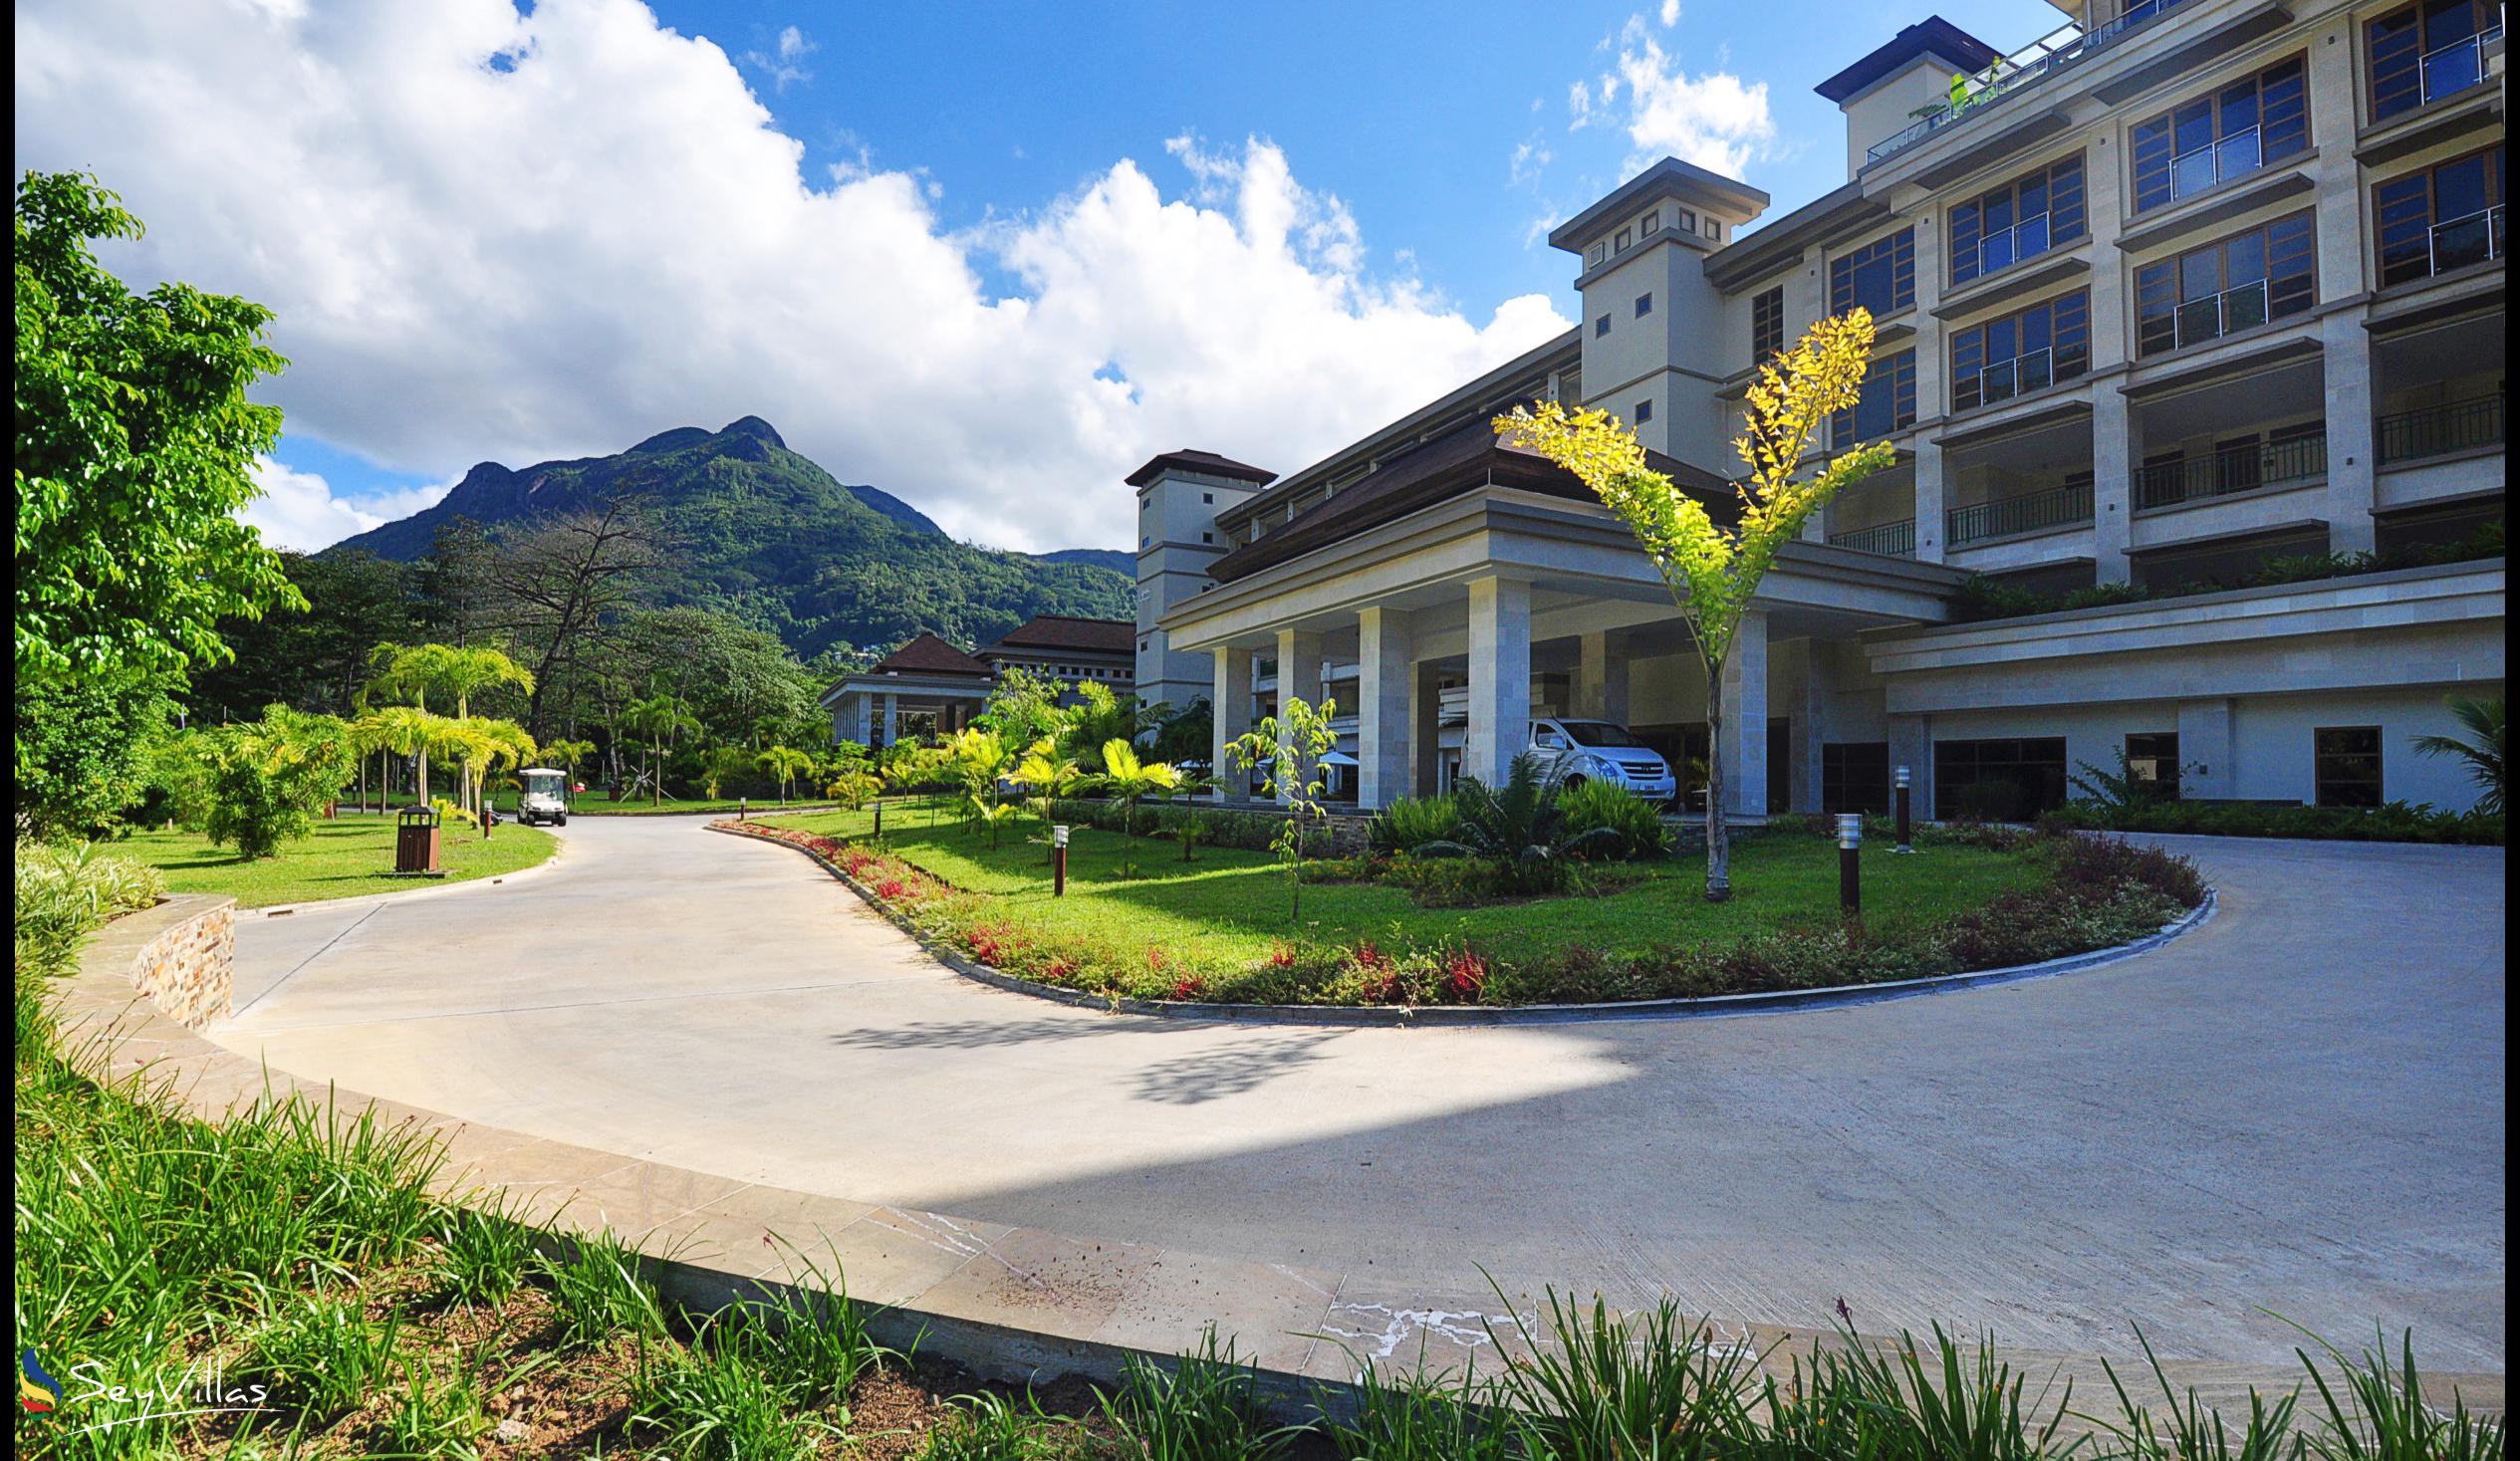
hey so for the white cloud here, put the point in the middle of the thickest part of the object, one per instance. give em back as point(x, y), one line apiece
point(788, 66)
point(1714, 118)
point(299, 509)
point(603, 233)
point(1670, 13)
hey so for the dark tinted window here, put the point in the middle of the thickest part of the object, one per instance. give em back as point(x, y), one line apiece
point(2347, 759)
point(1880, 275)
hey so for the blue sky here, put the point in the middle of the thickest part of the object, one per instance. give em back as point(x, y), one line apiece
point(504, 234)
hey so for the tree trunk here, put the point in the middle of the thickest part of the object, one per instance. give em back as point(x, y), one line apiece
point(1718, 839)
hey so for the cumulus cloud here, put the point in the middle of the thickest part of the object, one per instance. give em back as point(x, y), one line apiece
point(514, 236)
point(1712, 119)
point(299, 510)
point(787, 66)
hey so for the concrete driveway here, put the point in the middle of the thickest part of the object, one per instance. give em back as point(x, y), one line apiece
point(2298, 1108)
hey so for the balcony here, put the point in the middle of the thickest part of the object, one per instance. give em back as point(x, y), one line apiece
point(2004, 516)
point(2276, 463)
point(1890, 539)
point(2458, 65)
point(2201, 169)
point(2475, 238)
point(2443, 430)
point(2052, 52)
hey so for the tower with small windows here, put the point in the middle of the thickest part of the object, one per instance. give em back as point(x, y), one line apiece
point(1179, 494)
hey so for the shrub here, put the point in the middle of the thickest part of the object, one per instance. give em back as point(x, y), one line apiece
point(64, 893)
point(1637, 822)
point(2395, 821)
point(258, 784)
point(1412, 821)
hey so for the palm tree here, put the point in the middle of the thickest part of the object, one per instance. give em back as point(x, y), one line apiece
point(2482, 751)
point(1127, 778)
point(785, 764)
point(504, 743)
point(660, 718)
point(1051, 774)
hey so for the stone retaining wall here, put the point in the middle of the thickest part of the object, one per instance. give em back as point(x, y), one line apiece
point(182, 954)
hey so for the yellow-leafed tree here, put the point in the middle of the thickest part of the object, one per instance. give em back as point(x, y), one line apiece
point(1713, 571)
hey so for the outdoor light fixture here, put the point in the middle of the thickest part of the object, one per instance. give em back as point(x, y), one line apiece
point(1906, 812)
point(1057, 861)
point(1849, 876)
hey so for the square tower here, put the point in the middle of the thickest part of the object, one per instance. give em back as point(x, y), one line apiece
point(1179, 495)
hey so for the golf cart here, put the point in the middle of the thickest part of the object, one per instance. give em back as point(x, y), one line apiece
point(546, 797)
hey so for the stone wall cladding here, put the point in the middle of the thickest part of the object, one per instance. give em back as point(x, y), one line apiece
point(182, 954)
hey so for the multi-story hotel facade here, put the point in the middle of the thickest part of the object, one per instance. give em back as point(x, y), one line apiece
point(2176, 292)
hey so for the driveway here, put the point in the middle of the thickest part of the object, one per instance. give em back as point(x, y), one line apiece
point(2297, 1107)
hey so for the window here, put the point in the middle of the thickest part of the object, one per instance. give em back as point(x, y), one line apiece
point(2022, 219)
point(2442, 218)
point(1644, 410)
point(2207, 293)
point(1880, 275)
point(2153, 760)
point(1767, 324)
point(1651, 224)
point(1855, 777)
point(1600, 327)
point(1998, 781)
point(1207, 536)
point(1620, 245)
point(1593, 257)
point(2213, 139)
point(2347, 765)
point(1208, 497)
point(1887, 402)
point(1688, 221)
point(2427, 51)
point(1714, 228)
point(2022, 352)
point(1645, 305)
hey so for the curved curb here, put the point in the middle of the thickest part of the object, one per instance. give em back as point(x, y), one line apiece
point(559, 854)
point(1710, 1007)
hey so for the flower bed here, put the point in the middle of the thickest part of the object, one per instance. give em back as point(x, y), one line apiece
point(2063, 895)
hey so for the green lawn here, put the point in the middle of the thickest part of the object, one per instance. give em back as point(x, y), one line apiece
point(339, 859)
point(1220, 918)
point(592, 804)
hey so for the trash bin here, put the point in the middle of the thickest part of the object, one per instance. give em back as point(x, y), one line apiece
point(415, 842)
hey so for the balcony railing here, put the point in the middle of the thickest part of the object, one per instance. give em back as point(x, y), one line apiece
point(2452, 68)
point(2009, 246)
point(2045, 57)
point(2019, 376)
point(1890, 539)
point(2216, 315)
point(2059, 507)
point(2215, 164)
point(2239, 469)
point(2472, 238)
point(2463, 425)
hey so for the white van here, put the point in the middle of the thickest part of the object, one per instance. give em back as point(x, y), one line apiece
point(1578, 751)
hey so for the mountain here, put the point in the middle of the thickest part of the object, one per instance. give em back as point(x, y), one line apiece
point(765, 533)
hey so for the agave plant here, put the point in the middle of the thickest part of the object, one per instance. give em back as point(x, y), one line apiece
point(1520, 831)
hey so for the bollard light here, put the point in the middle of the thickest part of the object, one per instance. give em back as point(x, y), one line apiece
point(1850, 874)
point(879, 820)
point(1906, 812)
point(1057, 861)
point(741, 804)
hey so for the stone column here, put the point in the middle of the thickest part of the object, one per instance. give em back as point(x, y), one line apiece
point(1745, 710)
point(1425, 721)
point(2206, 749)
point(861, 717)
point(1808, 730)
point(1299, 678)
point(1912, 746)
point(1500, 677)
point(1384, 693)
point(1601, 682)
point(891, 719)
point(2115, 452)
point(1230, 707)
point(2353, 432)
point(1931, 496)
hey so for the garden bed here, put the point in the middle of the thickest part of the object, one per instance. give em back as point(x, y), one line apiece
point(1137, 922)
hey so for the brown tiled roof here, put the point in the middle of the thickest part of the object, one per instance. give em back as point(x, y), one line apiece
point(1060, 632)
point(1198, 461)
point(1456, 462)
point(928, 654)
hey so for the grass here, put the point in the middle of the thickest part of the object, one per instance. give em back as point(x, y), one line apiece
point(1211, 923)
point(339, 859)
point(593, 803)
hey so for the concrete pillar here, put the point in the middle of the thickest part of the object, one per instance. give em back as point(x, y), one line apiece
point(1932, 497)
point(1426, 727)
point(1745, 710)
point(1912, 746)
point(1600, 679)
point(1231, 717)
point(1500, 677)
point(1299, 678)
point(2207, 752)
point(859, 717)
point(1806, 731)
point(2352, 445)
point(1383, 694)
point(2115, 452)
point(891, 719)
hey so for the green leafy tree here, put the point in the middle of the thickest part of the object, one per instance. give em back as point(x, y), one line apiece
point(785, 764)
point(1099, 718)
point(1127, 777)
point(1289, 750)
point(1023, 706)
point(658, 719)
point(259, 784)
point(83, 753)
point(1049, 773)
point(2481, 750)
point(1714, 572)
